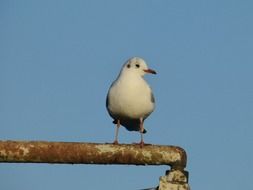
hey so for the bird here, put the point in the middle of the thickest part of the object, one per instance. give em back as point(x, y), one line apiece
point(130, 100)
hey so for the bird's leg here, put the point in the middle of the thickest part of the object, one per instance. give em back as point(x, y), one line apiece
point(117, 132)
point(141, 131)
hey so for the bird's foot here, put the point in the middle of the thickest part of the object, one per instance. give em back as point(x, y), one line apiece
point(141, 144)
point(115, 142)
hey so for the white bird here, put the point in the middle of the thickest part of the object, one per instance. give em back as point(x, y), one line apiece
point(130, 99)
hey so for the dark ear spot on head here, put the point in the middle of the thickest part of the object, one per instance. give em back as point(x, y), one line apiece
point(128, 65)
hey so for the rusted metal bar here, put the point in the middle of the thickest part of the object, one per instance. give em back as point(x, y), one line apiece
point(91, 153)
point(95, 153)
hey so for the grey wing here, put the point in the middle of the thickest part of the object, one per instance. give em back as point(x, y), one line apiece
point(107, 101)
point(152, 97)
point(107, 97)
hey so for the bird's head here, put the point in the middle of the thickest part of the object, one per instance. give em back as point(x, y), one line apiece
point(136, 65)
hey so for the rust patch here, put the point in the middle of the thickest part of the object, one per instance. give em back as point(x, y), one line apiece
point(91, 153)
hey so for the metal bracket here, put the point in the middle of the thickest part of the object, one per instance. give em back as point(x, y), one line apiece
point(174, 179)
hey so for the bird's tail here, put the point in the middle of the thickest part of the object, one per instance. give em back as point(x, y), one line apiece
point(131, 125)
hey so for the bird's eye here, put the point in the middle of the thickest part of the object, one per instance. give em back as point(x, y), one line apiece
point(137, 65)
point(128, 65)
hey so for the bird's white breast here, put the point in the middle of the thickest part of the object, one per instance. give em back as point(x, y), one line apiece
point(130, 97)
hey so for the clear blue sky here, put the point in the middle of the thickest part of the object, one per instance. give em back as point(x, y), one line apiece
point(58, 59)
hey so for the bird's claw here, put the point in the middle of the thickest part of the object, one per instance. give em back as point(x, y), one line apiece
point(115, 142)
point(141, 144)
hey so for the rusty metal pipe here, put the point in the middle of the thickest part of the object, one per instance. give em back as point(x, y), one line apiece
point(91, 153)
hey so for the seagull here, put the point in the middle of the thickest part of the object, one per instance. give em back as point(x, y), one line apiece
point(130, 99)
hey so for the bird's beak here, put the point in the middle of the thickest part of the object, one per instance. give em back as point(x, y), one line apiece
point(149, 71)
